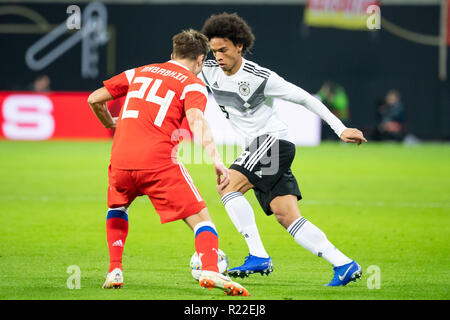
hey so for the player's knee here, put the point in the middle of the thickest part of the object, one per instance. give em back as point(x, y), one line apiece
point(231, 187)
point(238, 183)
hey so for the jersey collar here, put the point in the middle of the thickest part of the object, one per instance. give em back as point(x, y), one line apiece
point(178, 64)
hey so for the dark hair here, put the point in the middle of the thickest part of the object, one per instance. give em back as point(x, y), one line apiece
point(231, 26)
point(190, 44)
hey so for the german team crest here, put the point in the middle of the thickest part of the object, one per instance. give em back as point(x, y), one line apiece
point(244, 88)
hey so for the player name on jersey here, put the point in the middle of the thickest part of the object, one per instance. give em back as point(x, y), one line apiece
point(165, 73)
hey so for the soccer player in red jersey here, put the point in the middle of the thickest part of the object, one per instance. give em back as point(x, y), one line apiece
point(143, 156)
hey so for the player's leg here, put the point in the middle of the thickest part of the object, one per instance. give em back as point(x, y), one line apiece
point(259, 167)
point(175, 197)
point(206, 239)
point(313, 239)
point(121, 192)
point(244, 175)
point(241, 212)
point(305, 233)
point(116, 234)
point(207, 246)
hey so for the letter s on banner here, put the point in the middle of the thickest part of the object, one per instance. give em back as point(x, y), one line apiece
point(28, 117)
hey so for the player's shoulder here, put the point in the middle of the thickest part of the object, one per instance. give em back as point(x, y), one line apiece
point(193, 79)
point(255, 69)
point(193, 84)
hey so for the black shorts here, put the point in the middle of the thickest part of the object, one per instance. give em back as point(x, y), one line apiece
point(266, 163)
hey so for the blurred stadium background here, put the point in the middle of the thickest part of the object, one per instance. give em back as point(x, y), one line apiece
point(304, 41)
point(393, 197)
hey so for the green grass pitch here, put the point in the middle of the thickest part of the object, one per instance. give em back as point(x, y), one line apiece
point(385, 205)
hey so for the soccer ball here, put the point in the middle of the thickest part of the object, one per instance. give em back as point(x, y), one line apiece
point(196, 264)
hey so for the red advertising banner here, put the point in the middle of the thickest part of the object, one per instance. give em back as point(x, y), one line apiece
point(448, 22)
point(56, 115)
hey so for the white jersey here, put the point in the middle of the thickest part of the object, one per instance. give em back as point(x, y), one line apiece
point(246, 99)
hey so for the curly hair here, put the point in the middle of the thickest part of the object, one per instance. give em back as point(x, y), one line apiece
point(231, 26)
point(190, 44)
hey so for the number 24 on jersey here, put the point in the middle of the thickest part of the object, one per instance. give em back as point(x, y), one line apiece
point(164, 103)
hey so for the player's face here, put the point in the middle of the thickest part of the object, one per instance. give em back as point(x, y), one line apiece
point(227, 55)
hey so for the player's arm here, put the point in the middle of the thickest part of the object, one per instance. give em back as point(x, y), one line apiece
point(203, 135)
point(114, 88)
point(279, 88)
point(350, 135)
point(98, 102)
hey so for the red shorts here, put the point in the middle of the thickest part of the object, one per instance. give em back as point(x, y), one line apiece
point(171, 191)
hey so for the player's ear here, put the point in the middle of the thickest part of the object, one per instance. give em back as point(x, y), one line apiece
point(171, 56)
point(240, 47)
point(200, 59)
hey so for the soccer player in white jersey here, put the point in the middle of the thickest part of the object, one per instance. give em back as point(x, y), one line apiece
point(245, 92)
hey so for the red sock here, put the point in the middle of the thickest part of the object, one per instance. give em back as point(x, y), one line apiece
point(116, 234)
point(206, 245)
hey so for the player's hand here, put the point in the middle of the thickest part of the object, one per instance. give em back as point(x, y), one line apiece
point(113, 125)
point(222, 174)
point(352, 135)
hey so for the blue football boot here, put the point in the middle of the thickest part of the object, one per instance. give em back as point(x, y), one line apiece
point(346, 273)
point(251, 265)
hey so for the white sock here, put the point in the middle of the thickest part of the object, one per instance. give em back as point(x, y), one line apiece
point(243, 218)
point(313, 239)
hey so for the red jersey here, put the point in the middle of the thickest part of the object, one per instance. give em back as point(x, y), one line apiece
point(157, 97)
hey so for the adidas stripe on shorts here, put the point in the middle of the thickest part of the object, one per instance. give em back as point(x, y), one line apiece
point(266, 163)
